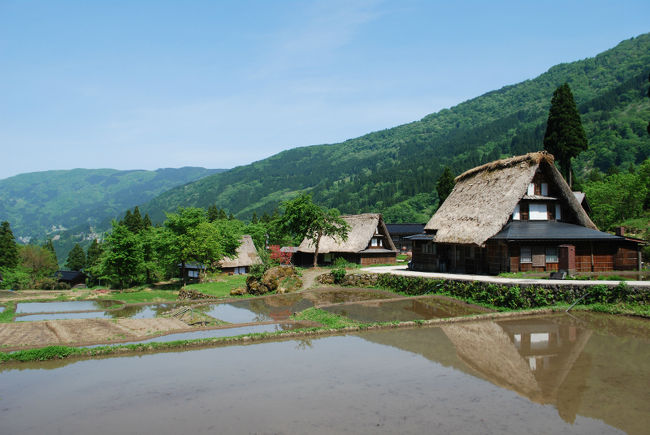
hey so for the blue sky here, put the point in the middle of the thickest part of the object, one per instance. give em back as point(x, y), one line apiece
point(148, 84)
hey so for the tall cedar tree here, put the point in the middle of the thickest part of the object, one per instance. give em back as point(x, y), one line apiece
point(649, 97)
point(133, 221)
point(445, 185)
point(50, 247)
point(76, 258)
point(8, 248)
point(146, 221)
point(564, 138)
point(309, 221)
point(93, 254)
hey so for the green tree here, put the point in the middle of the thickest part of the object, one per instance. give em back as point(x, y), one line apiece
point(50, 247)
point(306, 220)
point(445, 185)
point(564, 138)
point(213, 213)
point(122, 260)
point(93, 255)
point(8, 248)
point(76, 258)
point(190, 237)
point(39, 261)
point(146, 221)
point(133, 221)
point(619, 197)
point(648, 128)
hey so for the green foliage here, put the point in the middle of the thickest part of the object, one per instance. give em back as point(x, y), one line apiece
point(382, 171)
point(16, 278)
point(514, 297)
point(306, 220)
point(325, 318)
point(619, 196)
point(76, 258)
point(40, 264)
point(445, 184)
point(7, 316)
point(564, 138)
point(50, 247)
point(8, 248)
point(94, 253)
point(122, 261)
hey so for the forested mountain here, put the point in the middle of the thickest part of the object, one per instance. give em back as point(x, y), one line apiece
point(394, 171)
point(42, 204)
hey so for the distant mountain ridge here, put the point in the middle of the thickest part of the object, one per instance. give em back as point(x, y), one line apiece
point(42, 204)
point(394, 171)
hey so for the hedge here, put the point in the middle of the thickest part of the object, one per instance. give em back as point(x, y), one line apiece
point(514, 296)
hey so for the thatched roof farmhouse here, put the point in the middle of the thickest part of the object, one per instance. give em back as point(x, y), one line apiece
point(245, 257)
point(517, 214)
point(368, 242)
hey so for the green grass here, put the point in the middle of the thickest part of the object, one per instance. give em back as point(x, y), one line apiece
point(146, 295)
point(220, 288)
point(7, 316)
point(325, 318)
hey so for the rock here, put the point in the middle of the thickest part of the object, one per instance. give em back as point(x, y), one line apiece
point(238, 291)
point(184, 294)
point(281, 278)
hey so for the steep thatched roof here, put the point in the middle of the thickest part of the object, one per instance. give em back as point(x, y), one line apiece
point(484, 198)
point(246, 255)
point(362, 228)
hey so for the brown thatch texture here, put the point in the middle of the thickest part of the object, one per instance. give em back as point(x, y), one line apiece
point(362, 228)
point(484, 198)
point(246, 255)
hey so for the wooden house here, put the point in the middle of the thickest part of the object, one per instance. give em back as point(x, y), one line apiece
point(368, 242)
point(400, 233)
point(518, 214)
point(245, 256)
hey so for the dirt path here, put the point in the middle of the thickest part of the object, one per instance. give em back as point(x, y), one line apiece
point(309, 277)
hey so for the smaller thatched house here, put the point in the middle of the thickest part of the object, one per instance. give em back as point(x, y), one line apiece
point(368, 242)
point(245, 257)
point(515, 215)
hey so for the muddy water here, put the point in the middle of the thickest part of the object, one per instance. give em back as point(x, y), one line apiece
point(404, 309)
point(590, 376)
point(278, 308)
point(131, 311)
point(59, 307)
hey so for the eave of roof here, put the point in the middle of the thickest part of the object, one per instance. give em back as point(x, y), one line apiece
point(551, 230)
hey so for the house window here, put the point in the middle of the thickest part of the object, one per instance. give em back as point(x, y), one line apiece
point(538, 212)
point(525, 256)
point(558, 212)
point(544, 189)
point(551, 255)
point(531, 189)
point(516, 215)
point(428, 248)
point(376, 242)
point(192, 273)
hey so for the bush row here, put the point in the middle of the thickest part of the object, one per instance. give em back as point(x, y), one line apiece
point(515, 296)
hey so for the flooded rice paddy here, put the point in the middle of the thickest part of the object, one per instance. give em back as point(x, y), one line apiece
point(404, 309)
point(60, 307)
point(584, 373)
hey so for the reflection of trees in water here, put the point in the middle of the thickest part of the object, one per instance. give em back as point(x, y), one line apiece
point(128, 311)
point(304, 344)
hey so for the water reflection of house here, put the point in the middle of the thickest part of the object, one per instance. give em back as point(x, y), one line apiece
point(515, 215)
point(539, 358)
